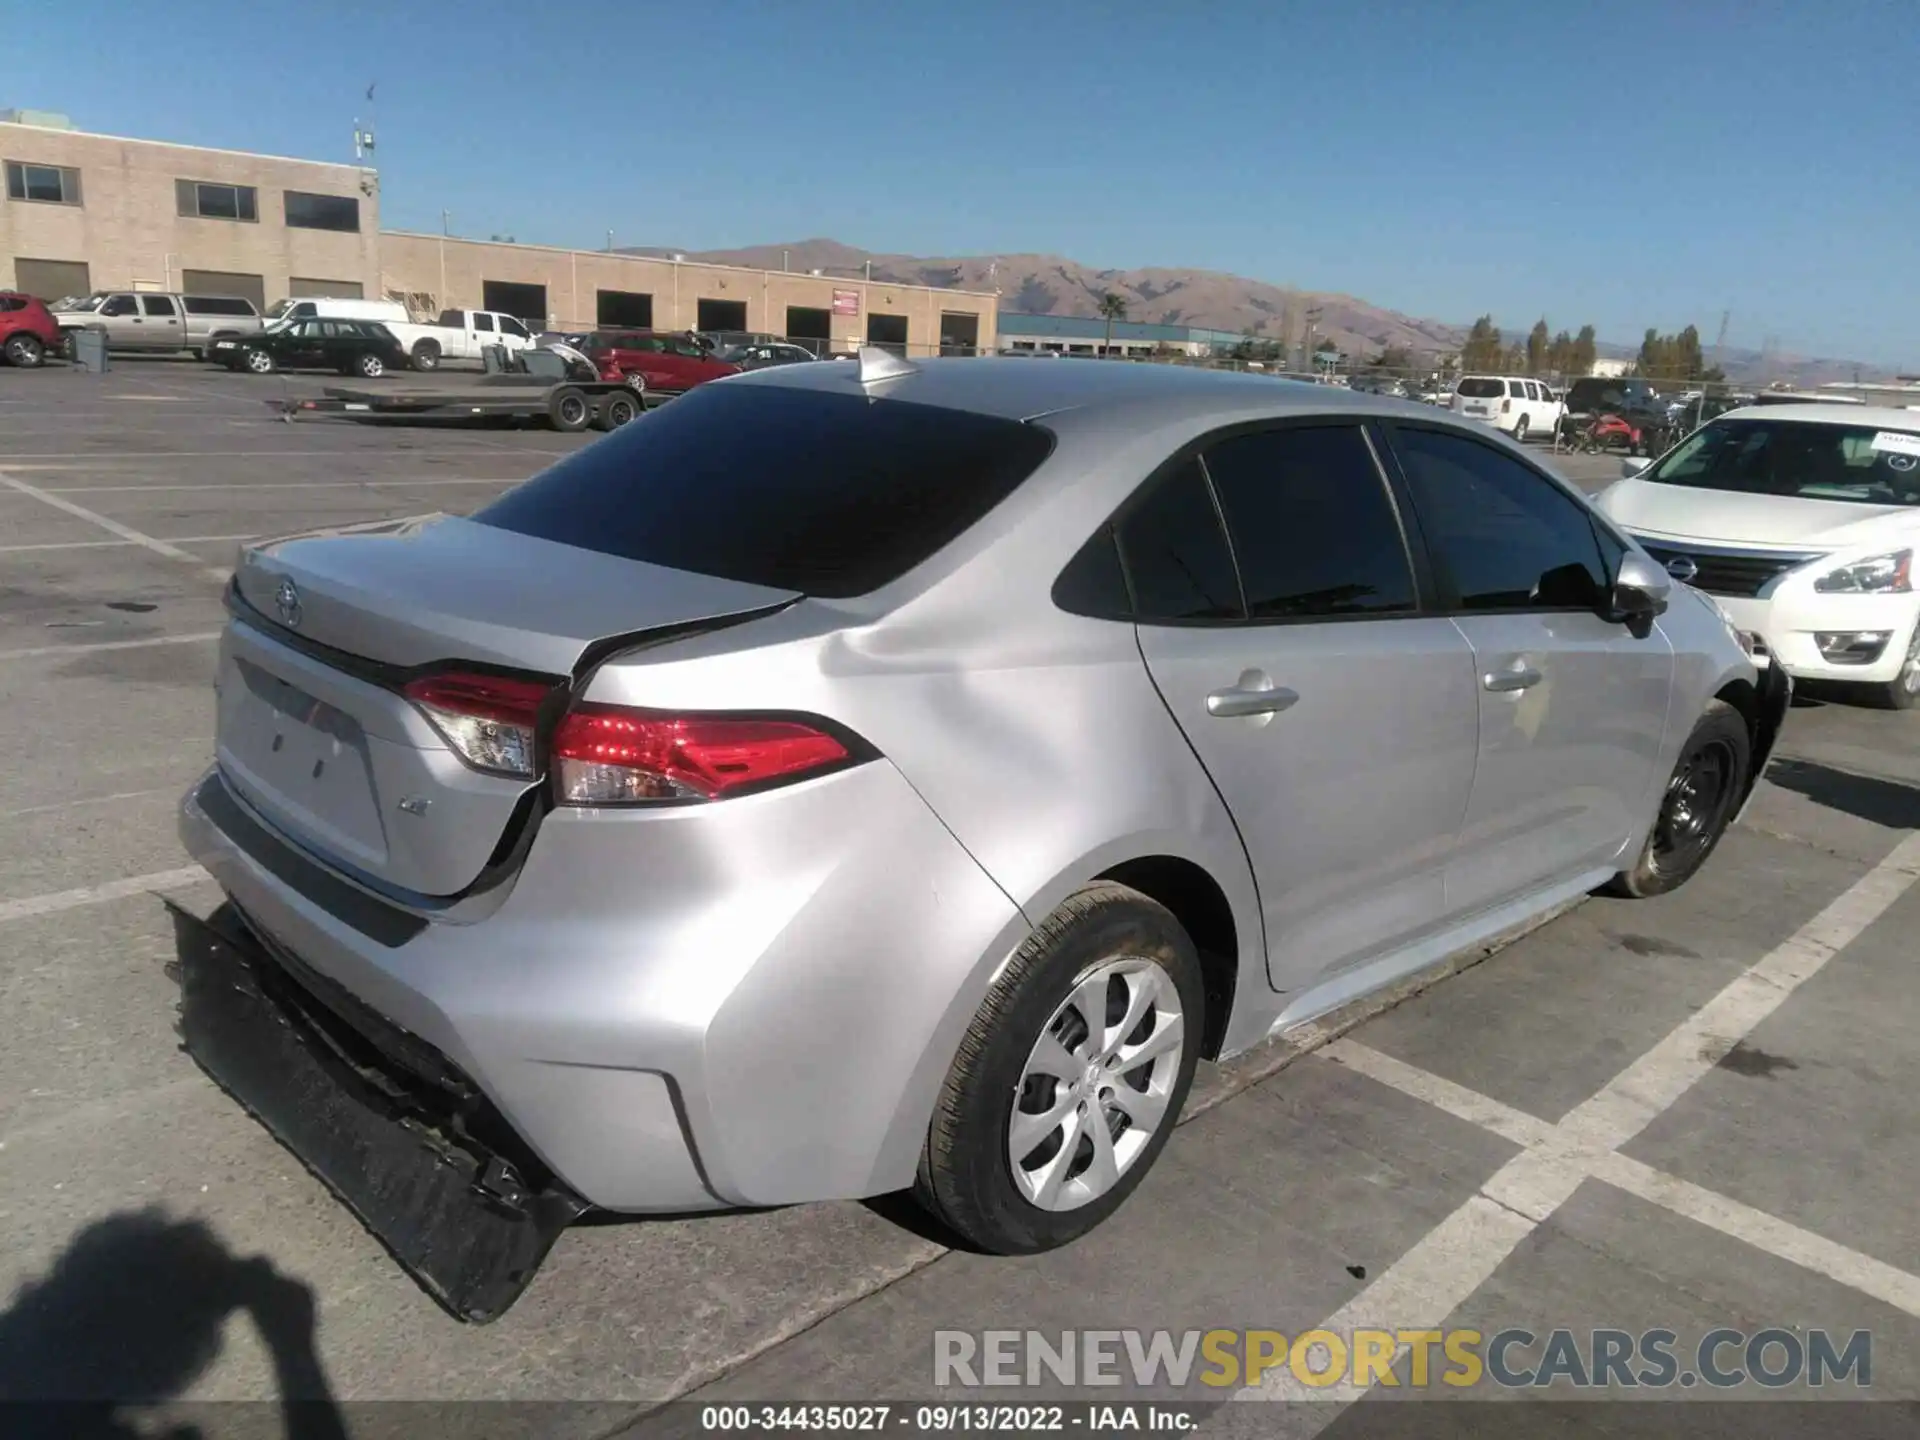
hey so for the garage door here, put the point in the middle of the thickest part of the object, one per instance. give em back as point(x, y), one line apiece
point(51, 280)
point(226, 282)
point(306, 285)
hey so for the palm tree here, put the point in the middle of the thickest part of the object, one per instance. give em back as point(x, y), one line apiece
point(1112, 307)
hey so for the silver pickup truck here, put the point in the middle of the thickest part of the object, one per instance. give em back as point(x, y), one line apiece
point(158, 323)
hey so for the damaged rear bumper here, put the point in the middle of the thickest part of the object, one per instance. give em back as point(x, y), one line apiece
point(391, 1126)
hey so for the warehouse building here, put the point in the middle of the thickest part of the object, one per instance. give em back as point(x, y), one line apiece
point(85, 212)
point(1082, 335)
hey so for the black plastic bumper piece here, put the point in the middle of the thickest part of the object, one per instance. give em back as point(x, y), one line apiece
point(470, 1221)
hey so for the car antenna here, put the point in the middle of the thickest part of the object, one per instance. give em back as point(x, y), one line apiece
point(877, 364)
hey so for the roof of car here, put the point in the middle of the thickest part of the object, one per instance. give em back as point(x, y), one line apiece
point(1827, 413)
point(991, 385)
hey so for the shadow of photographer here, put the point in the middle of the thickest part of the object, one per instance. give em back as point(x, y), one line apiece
point(131, 1313)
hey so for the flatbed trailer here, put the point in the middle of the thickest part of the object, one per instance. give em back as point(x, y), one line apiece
point(565, 405)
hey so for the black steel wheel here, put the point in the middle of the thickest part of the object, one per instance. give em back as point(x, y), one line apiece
point(1702, 796)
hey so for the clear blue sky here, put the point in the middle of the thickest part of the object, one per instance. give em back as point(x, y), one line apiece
point(1631, 164)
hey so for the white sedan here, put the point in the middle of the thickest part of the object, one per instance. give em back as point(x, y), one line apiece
point(1802, 521)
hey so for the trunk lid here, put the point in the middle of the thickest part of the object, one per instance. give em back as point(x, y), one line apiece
point(313, 732)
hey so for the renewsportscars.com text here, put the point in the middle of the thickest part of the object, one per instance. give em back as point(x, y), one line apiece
point(1513, 1358)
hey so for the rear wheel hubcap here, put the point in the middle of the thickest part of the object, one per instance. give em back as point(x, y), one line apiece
point(1097, 1084)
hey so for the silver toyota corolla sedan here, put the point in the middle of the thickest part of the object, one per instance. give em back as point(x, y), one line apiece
point(861, 778)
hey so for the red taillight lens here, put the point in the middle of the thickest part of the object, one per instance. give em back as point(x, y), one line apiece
point(605, 755)
point(489, 720)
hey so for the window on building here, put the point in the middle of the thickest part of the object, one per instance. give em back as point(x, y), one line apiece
point(508, 297)
point(809, 322)
point(50, 184)
point(887, 331)
point(203, 200)
point(322, 212)
point(959, 332)
point(722, 317)
point(617, 308)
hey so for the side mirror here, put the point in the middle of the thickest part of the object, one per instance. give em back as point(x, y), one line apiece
point(1632, 467)
point(1640, 594)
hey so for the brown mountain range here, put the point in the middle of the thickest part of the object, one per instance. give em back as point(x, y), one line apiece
point(1055, 285)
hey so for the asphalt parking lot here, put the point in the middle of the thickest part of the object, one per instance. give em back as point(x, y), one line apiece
point(1688, 1113)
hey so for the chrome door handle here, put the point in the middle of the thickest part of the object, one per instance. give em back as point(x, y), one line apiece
point(1236, 700)
point(1503, 681)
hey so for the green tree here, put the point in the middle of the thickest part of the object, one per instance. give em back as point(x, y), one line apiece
point(1482, 350)
point(1393, 359)
point(1560, 354)
point(1112, 307)
point(1585, 352)
point(1537, 343)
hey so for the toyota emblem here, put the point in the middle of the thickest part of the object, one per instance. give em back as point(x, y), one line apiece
point(1683, 569)
point(286, 603)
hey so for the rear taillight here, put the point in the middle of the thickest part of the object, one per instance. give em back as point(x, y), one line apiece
point(607, 755)
point(489, 720)
point(1506, 407)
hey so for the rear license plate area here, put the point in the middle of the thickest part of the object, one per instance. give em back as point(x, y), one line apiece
point(300, 755)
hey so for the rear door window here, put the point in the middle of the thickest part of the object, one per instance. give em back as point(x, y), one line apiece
point(828, 494)
point(1517, 388)
point(1312, 526)
point(1175, 553)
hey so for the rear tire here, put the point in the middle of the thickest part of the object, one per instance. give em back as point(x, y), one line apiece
point(1702, 796)
point(1088, 1102)
point(259, 362)
point(569, 410)
point(1520, 431)
point(617, 409)
point(369, 365)
point(26, 351)
point(426, 355)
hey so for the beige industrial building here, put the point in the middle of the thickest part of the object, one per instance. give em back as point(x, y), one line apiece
point(86, 212)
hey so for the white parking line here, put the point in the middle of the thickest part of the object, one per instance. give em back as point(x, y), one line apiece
point(35, 652)
point(1442, 1270)
point(94, 894)
point(114, 527)
point(396, 484)
point(109, 544)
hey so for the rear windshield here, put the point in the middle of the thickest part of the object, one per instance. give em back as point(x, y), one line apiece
point(830, 495)
point(1863, 464)
point(1476, 388)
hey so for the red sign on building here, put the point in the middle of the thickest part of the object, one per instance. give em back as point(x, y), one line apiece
point(846, 302)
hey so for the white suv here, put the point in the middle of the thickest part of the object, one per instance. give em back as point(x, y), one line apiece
point(1512, 403)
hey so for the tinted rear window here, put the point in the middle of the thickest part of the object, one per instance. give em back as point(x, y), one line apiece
point(830, 495)
point(1478, 389)
point(216, 305)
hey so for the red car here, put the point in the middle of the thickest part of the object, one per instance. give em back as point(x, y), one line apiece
point(27, 331)
point(653, 364)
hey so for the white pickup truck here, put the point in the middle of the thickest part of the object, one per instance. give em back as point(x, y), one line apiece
point(458, 335)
